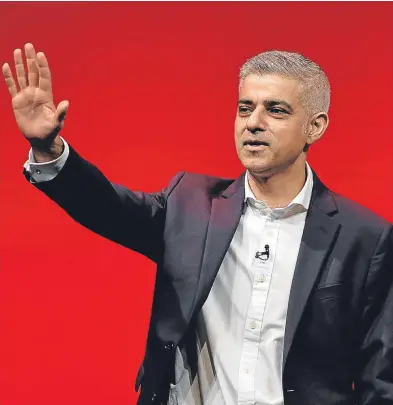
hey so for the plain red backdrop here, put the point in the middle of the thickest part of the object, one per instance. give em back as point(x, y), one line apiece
point(153, 90)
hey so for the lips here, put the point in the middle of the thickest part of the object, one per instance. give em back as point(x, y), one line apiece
point(254, 142)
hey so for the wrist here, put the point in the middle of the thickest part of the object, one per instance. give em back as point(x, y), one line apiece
point(47, 150)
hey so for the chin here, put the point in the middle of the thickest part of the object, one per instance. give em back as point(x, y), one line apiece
point(257, 165)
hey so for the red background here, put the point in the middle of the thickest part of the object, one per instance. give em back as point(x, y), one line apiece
point(153, 90)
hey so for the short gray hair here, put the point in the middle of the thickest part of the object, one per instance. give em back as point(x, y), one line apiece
point(315, 94)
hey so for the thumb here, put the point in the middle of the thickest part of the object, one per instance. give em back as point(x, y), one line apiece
point(61, 111)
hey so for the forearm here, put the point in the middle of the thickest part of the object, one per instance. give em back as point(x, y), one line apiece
point(132, 219)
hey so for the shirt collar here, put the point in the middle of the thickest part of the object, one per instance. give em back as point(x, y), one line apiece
point(303, 198)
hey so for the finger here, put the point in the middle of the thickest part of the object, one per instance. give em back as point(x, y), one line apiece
point(32, 67)
point(45, 80)
point(20, 69)
point(9, 80)
point(61, 111)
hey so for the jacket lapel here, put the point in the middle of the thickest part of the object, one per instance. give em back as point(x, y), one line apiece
point(225, 215)
point(318, 236)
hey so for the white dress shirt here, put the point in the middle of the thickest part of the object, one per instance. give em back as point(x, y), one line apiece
point(48, 170)
point(242, 323)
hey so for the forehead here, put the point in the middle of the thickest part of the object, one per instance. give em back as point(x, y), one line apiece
point(258, 88)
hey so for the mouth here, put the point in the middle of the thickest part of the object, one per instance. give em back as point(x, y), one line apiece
point(254, 144)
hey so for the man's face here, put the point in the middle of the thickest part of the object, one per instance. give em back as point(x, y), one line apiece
point(270, 125)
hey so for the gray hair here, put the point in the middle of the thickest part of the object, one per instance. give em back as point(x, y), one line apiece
point(315, 94)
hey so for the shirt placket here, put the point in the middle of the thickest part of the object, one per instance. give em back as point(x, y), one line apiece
point(262, 270)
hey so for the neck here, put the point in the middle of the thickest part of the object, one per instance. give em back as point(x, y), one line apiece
point(280, 188)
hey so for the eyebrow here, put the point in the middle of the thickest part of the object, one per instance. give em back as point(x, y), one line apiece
point(268, 103)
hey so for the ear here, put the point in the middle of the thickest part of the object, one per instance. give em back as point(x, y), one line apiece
point(317, 125)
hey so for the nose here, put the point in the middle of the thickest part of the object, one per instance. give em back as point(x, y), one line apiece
point(255, 122)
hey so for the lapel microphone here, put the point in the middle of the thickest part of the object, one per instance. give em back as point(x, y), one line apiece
point(263, 255)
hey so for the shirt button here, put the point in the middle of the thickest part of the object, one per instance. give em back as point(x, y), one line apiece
point(246, 370)
point(38, 171)
point(253, 325)
point(261, 279)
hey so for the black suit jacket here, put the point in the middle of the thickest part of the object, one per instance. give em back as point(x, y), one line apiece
point(339, 328)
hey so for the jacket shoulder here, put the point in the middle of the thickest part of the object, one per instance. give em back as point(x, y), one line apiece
point(356, 213)
point(196, 183)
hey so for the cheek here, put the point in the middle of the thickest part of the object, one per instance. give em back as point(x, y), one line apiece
point(289, 144)
point(239, 129)
point(288, 134)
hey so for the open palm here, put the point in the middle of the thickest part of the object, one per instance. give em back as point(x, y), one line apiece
point(34, 109)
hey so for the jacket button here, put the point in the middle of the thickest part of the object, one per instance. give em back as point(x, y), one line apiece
point(169, 346)
point(153, 397)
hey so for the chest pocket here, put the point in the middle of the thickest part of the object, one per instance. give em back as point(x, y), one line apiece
point(331, 291)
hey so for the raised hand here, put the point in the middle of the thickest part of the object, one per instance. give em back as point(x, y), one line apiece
point(35, 112)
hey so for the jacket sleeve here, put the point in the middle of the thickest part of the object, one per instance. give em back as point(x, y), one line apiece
point(132, 219)
point(374, 382)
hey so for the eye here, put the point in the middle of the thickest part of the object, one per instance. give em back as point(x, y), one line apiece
point(278, 111)
point(243, 109)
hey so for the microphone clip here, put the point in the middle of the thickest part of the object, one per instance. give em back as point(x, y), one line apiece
point(264, 256)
